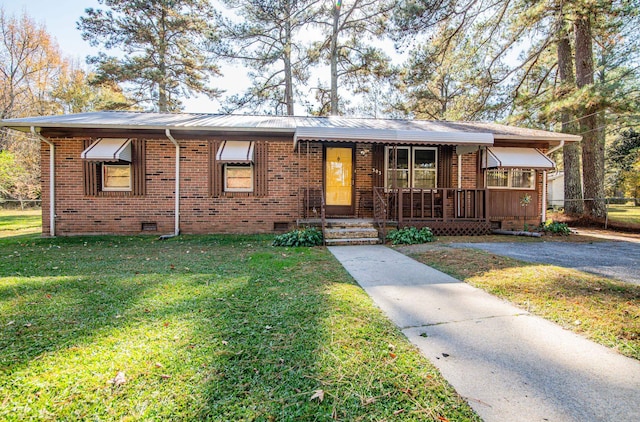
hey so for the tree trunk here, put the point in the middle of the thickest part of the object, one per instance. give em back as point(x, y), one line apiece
point(334, 60)
point(571, 153)
point(592, 142)
point(288, 76)
point(163, 103)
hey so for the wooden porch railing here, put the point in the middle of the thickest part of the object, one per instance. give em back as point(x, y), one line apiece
point(417, 205)
point(380, 210)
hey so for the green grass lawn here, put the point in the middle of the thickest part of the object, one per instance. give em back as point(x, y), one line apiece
point(624, 213)
point(200, 328)
point(17, 222)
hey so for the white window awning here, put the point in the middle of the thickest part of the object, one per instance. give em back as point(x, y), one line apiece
point(529, 158)
point(236, 152)
point(109, 149)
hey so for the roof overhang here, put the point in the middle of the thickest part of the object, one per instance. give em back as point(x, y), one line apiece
point(108, 149)
point(504, 157)
point(390, 136)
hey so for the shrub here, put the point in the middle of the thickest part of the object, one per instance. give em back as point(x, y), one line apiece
point(410, 236)
point(556, 227)
point(304, 237)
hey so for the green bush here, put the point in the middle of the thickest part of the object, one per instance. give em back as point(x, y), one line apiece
point(410, 236)
point(304, 237)
point(556, 227)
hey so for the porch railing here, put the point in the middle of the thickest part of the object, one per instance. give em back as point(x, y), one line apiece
point(406, 205)
point(380, 211)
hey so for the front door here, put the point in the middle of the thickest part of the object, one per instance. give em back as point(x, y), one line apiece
point(338, 180)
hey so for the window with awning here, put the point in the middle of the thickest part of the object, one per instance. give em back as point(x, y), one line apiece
point(109, 149)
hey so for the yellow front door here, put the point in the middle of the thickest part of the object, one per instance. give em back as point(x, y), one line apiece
point(339, 179)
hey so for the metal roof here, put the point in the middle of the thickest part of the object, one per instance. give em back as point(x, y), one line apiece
point(332, 125)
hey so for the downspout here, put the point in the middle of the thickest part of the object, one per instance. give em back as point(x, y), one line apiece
point(459, 171)
point(177, 210)
point(544, 196)
point(52, 184)
point(544, 182)
point(459, 182)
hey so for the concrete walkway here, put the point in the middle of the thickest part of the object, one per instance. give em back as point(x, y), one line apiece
point(508, 364)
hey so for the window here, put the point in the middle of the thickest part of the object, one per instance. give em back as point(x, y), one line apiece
point(511, 178)
point(415, 167)
point(116, 177)
point(424, 168)
point(238, 168)
point(114, 167)
point(238, 178)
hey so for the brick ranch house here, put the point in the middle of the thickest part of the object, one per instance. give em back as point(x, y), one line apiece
point(115, 173)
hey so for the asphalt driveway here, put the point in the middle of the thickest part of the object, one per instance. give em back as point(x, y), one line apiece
point(620, 260)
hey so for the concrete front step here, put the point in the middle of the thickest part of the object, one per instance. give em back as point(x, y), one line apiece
point(348, 224)
point(351, 233)
point(354, 241)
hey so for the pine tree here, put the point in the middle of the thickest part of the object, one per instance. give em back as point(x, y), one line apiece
point(165, 45)
point(267, 40)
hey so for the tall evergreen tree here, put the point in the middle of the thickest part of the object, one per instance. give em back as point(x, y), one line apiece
point(165, 45)
point(350, 30)
point(267, 40)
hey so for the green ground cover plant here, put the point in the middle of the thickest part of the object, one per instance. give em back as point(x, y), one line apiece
point(200, 328)
point(555, 227)
point(604, 310)
point(410, 236)
point(310, 236)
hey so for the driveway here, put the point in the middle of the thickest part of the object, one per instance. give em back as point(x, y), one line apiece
point(619, 260)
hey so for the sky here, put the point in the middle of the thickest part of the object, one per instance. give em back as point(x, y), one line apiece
point(60, 17)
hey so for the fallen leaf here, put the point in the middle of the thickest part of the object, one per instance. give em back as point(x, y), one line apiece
point(10, 323)
point(119, 379)
point(317, 394)
point(397, 412)
point(48, 296)
point(166, 324)
point(442, 419)
point(28, 324)
point(159, 365)
point(370, 400)
point(165, 376)
point(393, 355)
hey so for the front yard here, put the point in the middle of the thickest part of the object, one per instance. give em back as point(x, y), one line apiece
point(200, 328)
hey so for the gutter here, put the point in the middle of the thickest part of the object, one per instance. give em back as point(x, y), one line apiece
point(177, 209)
point(52, 184)
point(554, 149)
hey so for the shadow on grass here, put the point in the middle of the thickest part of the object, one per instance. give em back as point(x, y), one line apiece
point(246, 321)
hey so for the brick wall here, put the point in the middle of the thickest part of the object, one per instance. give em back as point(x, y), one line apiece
point(288, 173)
point(199, 212)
